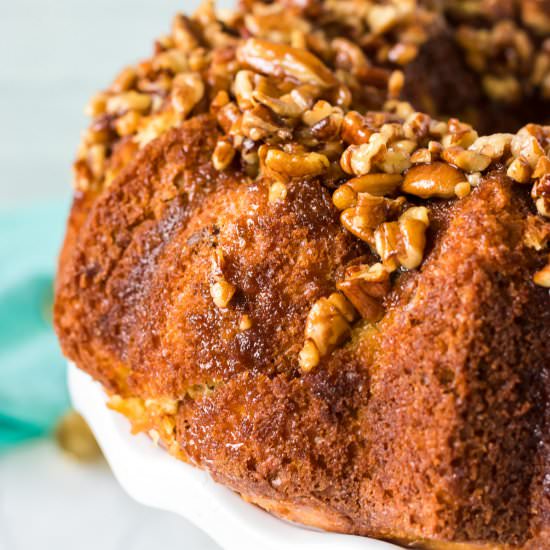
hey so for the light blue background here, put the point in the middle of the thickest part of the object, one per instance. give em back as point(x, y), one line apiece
point(54, 54)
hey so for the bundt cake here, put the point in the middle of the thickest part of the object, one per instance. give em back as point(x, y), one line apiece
point(289, 266)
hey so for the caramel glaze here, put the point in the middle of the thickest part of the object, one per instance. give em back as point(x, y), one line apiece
point(431, 426)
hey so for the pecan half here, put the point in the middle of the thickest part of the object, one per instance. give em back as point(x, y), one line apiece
point(280, 60)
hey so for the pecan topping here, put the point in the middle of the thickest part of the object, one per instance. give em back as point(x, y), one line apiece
point(289, 95)
point(432, 180)
point(280, 60)
point(327, 326)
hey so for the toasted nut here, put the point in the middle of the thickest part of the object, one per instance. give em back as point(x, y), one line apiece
point(467, 160)
point(542, 168)
point(344, 197)
point(151, 128)
point(519, 171)
point(96, 106)
point(377, 77)
point(364, 287)
point(341, 96)
point(419, 213)
point(403, 54)
point(494, 146)
point(541, 188)
point(309, 357)
point(125, 80)
point(321, 110)
point(462, 136)
point(182, 33)
point(354, 129)
point(349, 55)
point(417, 126)
point(258, 123)
point(462, 189)
point(392, 132)
point(188, 91)
point(261, 74)
point(243, 87)
point(541, 68)
point(403, 242)
point(296, 164)
point(527, 146)
point(394, 162)
point(362, 221)
point(326, 326)
point(407, 146)
point(537, 233)
point(386, 239)
point(413, 235)
point(376, 184)
point(222, 291)
point(370, 211)
point(396, 83)
point(96, 134)
point(505, 89)
point(128, 123)
point(220, 100)
point(422, 156)
point(339, 301)
point(283, 106)
point(173, 60)
point(356, 291)
point(361, 159)
point(474, 179)
point(278, 59)
point(432, 180)
point(305, 95)
point(223, 154)
point(128, 101)
point(155, 437)
point(535, 14)
point(383, 17)
point(277, 23)
point(542, 277)
point(97, 155)
point(376, 273)
point(245, 323)
point(435, 148)
point(277, 192)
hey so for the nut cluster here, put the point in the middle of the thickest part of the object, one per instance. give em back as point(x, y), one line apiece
point(221, 290)
point(395, 159)
point(509, 60)
point(327, 326)
point(505, 43)
point(259, 89)
point(294, 100)
point(532, 14)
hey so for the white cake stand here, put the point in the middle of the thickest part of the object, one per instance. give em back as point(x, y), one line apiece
point(154, 478)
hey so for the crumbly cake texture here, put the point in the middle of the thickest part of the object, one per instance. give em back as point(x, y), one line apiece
point(291, 269)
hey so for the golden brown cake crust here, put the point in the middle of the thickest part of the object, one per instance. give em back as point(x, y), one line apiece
point(210, 232)
point(409, 432)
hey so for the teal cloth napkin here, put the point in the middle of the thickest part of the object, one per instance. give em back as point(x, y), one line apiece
point(33, 393)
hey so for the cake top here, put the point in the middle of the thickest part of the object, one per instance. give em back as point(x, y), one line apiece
point(301, 100)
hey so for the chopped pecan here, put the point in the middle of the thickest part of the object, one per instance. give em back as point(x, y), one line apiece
point(281, 60)
point(365, 287)
point(327, 326)
point(432, 180)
